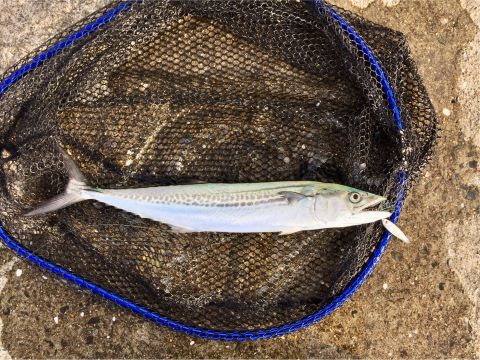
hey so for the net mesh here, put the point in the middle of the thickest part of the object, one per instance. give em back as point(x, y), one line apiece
point(219, 91)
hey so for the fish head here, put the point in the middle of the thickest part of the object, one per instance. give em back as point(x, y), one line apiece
point(342, 206)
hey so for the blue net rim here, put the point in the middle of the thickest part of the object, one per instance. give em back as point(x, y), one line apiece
point(111, 15)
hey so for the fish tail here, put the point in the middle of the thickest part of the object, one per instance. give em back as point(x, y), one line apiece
point(74, 193)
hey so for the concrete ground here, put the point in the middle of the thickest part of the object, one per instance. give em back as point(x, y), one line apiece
point(422, 300)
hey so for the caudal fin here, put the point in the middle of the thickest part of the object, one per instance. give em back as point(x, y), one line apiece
point(74, 192)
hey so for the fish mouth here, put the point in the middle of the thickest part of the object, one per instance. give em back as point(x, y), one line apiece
point(371, 202)
point(365, 214)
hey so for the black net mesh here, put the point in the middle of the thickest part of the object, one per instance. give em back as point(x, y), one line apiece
point(220, 91)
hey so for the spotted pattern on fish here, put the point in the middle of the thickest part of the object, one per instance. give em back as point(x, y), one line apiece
point(209, 200)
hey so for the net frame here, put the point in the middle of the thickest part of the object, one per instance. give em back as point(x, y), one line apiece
point(337, 23)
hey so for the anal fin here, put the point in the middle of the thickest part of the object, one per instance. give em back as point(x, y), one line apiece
point(288, 232)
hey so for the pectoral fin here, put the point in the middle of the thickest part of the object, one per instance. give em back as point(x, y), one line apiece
point(395, 230)
point(291, 196)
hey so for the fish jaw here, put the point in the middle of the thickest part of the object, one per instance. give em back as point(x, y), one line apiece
point(362, 215)
point(367, 217)
point(370, 201)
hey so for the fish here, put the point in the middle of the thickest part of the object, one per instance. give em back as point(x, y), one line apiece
point(284, 207)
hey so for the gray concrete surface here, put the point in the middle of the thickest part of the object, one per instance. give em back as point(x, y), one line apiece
point(422, 300)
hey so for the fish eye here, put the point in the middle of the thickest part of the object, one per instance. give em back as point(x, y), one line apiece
point(355, 197)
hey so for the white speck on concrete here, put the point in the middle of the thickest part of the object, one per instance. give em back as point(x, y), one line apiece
point(385, 286)
point(286, 160)
point(444, 21)
point(128, 162)
point(114, 319)
point(391, 3)
point(451, 253)
point(362, 4)
point(56, 320)
point(44, 277)
point(446, 112)
point(19, 272)
point(192, 343)
point(82, 314)
point(3, 281)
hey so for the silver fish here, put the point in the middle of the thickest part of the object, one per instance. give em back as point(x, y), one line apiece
point(282, 207)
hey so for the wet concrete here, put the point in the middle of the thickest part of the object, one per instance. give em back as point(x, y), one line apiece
point(422, 300)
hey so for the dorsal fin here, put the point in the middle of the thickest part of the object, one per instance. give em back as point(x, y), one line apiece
point(193, 182)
